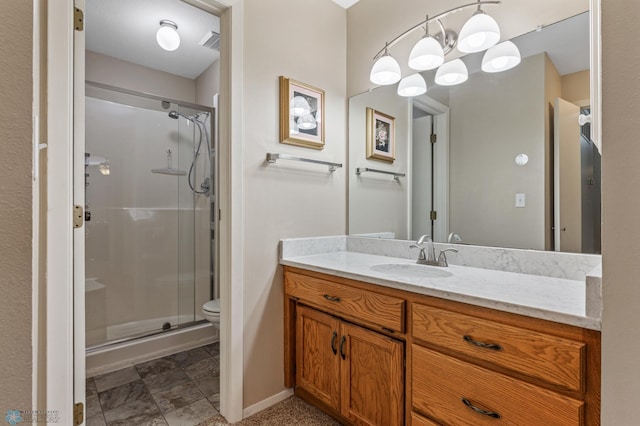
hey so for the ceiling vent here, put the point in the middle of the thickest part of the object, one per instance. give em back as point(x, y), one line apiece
point(211, 40)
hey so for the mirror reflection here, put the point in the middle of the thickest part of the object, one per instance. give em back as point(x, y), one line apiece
point(512, 165)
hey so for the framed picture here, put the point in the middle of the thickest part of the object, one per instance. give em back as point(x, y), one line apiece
point(381, 141)
point(301, 114)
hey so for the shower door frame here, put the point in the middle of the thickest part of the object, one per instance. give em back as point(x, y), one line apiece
point(214, 192)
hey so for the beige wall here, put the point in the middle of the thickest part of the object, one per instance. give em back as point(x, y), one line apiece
point(371, 23)
point(16, 67)
point(377, 202)
point(115, 72)
point(575, 87)
point(207, 84)
point(620, 212)
point(489, 128)
point(287, 199)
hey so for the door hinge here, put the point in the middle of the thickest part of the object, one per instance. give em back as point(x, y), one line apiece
point(78, 19)
point(433, 215)
point(78, 413)
point(78, 216)
point(434, 138)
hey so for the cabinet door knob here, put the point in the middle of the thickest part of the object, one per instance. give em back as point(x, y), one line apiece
point(478, 410)
point(492, 346)
point(342, 342)
point(333, 342)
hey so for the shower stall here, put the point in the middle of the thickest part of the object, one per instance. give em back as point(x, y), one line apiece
point(150, 186)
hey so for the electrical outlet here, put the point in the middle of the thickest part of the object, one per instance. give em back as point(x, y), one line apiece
point(520, 200)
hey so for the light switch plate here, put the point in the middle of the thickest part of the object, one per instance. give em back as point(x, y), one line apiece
point(520, 200)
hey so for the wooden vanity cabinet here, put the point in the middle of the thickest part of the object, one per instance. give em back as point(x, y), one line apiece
point(355, 371)
point(373, 355)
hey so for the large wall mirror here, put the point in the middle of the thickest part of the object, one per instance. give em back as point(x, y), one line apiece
point(513, 165)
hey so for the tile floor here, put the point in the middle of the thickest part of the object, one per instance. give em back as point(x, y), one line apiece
point(178, 390)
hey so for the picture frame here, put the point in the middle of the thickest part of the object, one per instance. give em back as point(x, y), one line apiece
point(381, 141)
point(301, 114)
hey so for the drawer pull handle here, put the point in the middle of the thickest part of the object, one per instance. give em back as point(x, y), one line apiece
point(469, 404)
point(342, 342)
point(492, 346)
point(333, 342)
point(331, 298)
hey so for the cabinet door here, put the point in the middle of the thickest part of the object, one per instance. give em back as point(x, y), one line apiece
point(317, 358)
point(372, 373)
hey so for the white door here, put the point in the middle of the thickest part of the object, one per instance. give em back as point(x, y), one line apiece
point(79, 200)
point(567, 214)
point(421, 177)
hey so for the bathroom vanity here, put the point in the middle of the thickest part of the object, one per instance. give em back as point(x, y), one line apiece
point(376, 340)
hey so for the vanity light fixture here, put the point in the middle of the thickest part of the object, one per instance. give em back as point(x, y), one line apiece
point(386, 70)
point(479, 33)
point(501, 57)
point(167, 35)
point(413, 85)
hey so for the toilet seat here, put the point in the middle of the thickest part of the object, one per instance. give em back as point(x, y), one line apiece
point(212, 307)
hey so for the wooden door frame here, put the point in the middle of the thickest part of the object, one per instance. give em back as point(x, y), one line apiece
point(59, 373)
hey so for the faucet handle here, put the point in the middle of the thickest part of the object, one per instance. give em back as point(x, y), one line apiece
point(442, 257)
point(422, 256)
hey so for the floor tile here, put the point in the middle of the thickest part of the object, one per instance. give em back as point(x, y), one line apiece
point(213, 348)
point(93, 405)
point(187, 358)
point(192, 414)
point(208, 385)
point(206, 367)
point(90, 387)
point(156, 366)
point(96, 420)
point(116, 378)
point(118, 396)
point(165, 380)
point(142, 411)
point(177, 397)
point(215, 400)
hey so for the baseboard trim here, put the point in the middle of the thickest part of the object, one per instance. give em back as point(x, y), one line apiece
point(266, 403)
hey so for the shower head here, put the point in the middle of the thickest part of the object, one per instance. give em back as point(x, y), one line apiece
point(175, 114)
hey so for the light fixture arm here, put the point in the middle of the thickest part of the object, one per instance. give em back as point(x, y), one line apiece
point(437, 17)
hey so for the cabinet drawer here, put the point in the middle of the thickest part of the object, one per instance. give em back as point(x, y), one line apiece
point(456, 392)
point(554, 359)
point(418, 420)
point(374, 308)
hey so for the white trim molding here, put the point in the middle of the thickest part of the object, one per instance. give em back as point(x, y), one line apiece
point(59, 210)
point(266, 403)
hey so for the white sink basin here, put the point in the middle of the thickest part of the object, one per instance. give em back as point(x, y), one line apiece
point(411, 270)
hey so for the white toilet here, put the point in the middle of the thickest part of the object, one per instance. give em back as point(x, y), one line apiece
point(211, 312)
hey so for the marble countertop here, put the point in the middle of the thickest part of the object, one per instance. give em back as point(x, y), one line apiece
point(554, 299)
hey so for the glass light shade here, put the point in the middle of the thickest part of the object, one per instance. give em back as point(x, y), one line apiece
point(413, 85)
point(167, 36)
point(427, 54)
point(385, 71)
point(307, 122)
point(452, 73)
point(479, 33)
point(501, 57)
point(299, 106)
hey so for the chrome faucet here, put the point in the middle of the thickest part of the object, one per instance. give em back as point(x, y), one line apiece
point(430, 257)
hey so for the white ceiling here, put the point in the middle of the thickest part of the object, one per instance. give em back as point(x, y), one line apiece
point(126, 29)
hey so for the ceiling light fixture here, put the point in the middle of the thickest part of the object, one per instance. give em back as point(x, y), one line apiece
point(167, 35)
point(479, 33)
